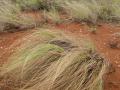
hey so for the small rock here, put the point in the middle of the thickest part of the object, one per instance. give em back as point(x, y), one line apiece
point(116, 62)
point(114, 41)
point(119, 66)
point(66, 44)
point(111, 69)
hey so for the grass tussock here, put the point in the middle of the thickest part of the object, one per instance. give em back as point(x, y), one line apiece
point(46, 64)
point(33, 5)
point(93, 10)
point(80, 10)
point(11, 18)
point(90, 11)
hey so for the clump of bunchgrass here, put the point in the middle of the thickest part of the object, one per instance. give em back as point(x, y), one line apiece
point(91, 10)
point(33, 5)
point(79, 10)
point(11, 18)
point(45, 65)
point(28, 5)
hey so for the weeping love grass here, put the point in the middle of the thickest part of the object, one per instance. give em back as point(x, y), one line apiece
point(48, 66)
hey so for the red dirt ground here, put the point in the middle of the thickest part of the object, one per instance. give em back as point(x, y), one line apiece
point(6, 39)
point(101, 38)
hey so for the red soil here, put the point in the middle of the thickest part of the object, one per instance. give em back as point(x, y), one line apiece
point(101, 38)
point(6, 39)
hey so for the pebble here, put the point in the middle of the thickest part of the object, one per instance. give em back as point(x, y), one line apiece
point(116, 62)
point(119, 66)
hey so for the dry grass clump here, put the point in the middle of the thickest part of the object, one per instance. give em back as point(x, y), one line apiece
point(26, 42)
point(48, 65)
point(33, 5)
point(109, 10)
point(52, 16)
point(93, 10)
point(28, 4)
point(80, 10)
point(86, 10)
point(11, 18)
